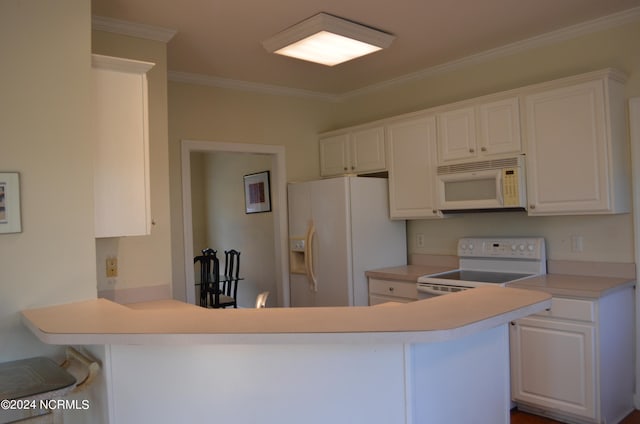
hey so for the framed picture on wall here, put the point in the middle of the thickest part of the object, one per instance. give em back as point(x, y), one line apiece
point(10, 203)
point(257, 192)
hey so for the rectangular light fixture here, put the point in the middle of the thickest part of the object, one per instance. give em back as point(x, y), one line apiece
point(328, 40)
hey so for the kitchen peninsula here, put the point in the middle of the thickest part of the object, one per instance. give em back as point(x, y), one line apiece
point(437, 360)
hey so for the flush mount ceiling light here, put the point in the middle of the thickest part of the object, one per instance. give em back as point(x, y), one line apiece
point(327, 40)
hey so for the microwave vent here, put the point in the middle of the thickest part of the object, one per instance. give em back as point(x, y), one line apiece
point(479, 166)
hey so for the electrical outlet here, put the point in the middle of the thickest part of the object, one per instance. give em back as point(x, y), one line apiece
point(112, 267)
point(577, 244)
point(420, 240)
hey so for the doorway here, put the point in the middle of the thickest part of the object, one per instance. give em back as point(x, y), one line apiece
point(278, 202)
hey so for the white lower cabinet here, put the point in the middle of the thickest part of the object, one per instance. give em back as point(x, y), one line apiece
point(383, 291)
point(575, 362)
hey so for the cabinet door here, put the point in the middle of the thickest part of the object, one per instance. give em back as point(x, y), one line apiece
point(553, 365)
point(121, 180)
point(457, 134)
point(334, 155)
point(567, 150)
point(367, 150)
point(500, 127)
point(412, 168)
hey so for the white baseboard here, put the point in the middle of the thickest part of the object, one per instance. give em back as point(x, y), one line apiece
point(137, 294)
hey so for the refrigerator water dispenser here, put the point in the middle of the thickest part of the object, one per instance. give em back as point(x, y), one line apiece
point(296, 255)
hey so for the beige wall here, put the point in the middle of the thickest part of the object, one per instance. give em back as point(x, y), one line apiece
point(222, 224)
point(143, 261)
point(45, 136)
point(227, 116)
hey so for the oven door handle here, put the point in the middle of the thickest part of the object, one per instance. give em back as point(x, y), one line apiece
point(431, 290)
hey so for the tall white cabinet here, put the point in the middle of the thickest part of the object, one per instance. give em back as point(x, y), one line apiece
point(121, 180)
point(577, 149)
point(411, 154)
point(575, 361)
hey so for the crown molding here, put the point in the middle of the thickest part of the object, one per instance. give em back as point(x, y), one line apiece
point(148, 32)
point(199, 79)
point(574, 31)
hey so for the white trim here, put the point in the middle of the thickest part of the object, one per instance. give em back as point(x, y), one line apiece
point(279, 205)
point(634, 137)
point(584, 28)
point(211, 81)
point(148, 32)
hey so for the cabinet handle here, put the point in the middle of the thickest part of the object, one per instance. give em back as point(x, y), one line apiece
point(532, 206)
point(435, 211)
point(513, 323)
point(353, 167)
point(345, 168)
point(484, 149)
point(471, 150)
point(391, 289)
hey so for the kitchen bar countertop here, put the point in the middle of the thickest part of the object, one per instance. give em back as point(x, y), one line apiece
point(101, 321)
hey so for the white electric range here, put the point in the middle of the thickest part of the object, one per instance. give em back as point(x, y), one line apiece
point(488, 261)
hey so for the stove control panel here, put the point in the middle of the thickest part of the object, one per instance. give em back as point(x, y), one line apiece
point(502, 247)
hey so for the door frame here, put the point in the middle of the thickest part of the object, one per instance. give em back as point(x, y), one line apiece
point(634, 137)
point(278, 202)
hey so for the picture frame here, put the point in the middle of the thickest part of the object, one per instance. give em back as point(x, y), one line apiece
point(10, 221)
point(257, 192)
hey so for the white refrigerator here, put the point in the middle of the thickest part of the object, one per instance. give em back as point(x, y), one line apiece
point(339, 228)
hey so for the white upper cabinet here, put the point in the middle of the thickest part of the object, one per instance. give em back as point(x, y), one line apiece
point(457, 134)
point(411, 161)
point(479, 130)
point(499, 127)
point(121, 180)
point(577, 149)
point(352, 152)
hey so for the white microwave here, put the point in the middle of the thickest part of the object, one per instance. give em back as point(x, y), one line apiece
point(483, 185)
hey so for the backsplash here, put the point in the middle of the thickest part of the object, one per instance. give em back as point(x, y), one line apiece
point(601, 238)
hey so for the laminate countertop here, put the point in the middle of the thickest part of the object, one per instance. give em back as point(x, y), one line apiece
point(101, 321)
point(409, 273)
point(567, 285)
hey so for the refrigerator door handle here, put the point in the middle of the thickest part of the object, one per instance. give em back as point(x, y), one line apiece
point(308, 257)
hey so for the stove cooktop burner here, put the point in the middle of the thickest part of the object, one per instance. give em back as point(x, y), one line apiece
point(480, 276)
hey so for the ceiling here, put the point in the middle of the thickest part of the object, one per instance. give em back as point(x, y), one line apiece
point(222, 38)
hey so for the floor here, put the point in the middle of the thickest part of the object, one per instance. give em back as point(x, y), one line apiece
point(518, 417)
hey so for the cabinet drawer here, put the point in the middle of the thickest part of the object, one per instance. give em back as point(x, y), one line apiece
point(393, 288)
point(573, 309)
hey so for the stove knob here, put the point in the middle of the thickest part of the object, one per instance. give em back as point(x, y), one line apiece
point(463, 246)
point(471, 246)
point(521, 247)
point(531, 247)
point(514, 247)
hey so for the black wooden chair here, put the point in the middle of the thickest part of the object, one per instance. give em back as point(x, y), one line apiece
point(230, 278)
point(209, 275)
